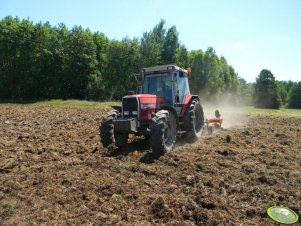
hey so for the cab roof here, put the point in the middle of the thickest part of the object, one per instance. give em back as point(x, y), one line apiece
point(162, 68)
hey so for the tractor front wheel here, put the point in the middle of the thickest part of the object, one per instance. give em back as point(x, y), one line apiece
point(107, 134)
point(106, 128)
point(163, 132)
point(194, 121)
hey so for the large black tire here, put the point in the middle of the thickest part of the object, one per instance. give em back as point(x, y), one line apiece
point(107, 134)
point(163, 132)
point(194, 121)
point(106, 128)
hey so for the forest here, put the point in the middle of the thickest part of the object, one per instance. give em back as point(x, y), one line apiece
point(41, 61)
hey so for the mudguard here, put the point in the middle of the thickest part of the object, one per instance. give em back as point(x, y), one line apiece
point(186, 103)
point(172, 109)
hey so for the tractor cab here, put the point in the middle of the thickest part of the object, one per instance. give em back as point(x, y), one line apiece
point(168, 81)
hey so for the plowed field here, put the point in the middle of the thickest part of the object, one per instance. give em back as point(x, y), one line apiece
point(53, 170)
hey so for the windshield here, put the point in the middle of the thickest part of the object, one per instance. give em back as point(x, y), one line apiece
point(159, 84)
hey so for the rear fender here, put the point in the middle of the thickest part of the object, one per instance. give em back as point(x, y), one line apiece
point(186, 103)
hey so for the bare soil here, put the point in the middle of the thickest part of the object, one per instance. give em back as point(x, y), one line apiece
point(53, 170)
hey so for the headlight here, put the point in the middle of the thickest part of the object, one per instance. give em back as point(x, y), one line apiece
point(126, 112)
point(134, 112)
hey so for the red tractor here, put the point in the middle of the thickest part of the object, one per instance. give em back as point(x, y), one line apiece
point(163, 109)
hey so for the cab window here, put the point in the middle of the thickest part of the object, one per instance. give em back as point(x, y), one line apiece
point(182, 87)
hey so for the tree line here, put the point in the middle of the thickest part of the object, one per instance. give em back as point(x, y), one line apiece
point(269, 93)
point(40, 61)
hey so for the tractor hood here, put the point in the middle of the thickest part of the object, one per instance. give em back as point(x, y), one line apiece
point(147, 98)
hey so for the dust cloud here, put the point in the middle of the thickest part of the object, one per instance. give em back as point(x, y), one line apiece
point(233, 116)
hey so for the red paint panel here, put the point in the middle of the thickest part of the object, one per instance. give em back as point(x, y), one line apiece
point(186, 102)
point(149, 103)
point(151, 99)
point(146, 114)
point(148, 98)
point(215, 120)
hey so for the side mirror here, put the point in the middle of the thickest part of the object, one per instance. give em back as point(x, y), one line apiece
point(181, 73)
point(139, 90)
point(134, 78)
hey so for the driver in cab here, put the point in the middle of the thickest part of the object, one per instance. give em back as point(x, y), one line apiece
point(165, 91)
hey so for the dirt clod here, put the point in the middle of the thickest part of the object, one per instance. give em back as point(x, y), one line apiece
point(226, 152)
point(190, 180)
point(266, 180)
point(228, 138)
point(66, 183)
point(159, 208)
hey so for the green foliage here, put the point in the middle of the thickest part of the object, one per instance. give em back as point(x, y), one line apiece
point(82, 66)
point(170, 46)
point(233, 81)
point(266, 93)
point(212, 77)
point(124, 58)
point(244, 92)
point(216, 83)
point(226, 73)
point(198, 78)
point(181, 57)
point(150, 50)
point(38, 61)
point(284, 89)
point(294, 97)
point(152, 44)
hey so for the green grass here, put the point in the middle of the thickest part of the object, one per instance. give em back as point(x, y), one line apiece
point(68, 103)
point(227, 111)
point(78, 103)
point(283, 112)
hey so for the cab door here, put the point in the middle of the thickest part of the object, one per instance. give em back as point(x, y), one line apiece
point(181, 89)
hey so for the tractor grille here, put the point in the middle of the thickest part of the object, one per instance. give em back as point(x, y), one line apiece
point(129, 105)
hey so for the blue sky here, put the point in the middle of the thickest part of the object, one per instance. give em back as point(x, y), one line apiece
point(251, 34)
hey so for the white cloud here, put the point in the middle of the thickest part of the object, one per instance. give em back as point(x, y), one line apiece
point(239, 46)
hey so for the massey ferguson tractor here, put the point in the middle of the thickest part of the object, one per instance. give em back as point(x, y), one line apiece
point(163, 109)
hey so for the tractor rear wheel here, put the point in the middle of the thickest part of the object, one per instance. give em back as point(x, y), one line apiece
point(163, 132)
point(194, 121)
